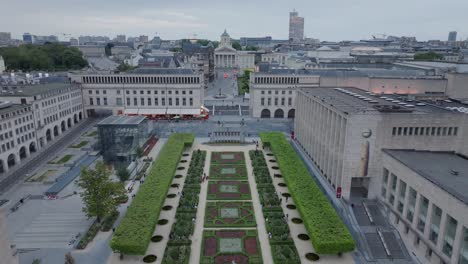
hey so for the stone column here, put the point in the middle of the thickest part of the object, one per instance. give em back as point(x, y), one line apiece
point(5, 250)
point(457, 242)
point(5, 166)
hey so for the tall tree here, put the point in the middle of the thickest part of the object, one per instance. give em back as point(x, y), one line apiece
point(123, 173)
point(236, 45)
point(97, 191)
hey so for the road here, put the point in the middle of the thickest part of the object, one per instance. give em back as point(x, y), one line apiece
point(39, 158)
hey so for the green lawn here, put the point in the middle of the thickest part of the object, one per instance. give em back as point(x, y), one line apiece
point(80, 145)
point(63, 160)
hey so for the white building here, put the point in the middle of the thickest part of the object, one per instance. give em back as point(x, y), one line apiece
point(344, 130)
point(148, 92)
point(2, 65)
point(228, 57)
point(275, 58)
point(33, 115)
point(424, 193)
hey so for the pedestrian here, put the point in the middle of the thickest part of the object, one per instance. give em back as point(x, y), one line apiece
point(281, 199)
point(113, 229)
point(287, 217)
point(178, 193)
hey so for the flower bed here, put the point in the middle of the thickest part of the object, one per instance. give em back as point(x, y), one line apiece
point(228, 172)
point(328, 233)
point(228, 190)
point(136, 228)
point(227, 158)
point(240, 246)
point(229, 214)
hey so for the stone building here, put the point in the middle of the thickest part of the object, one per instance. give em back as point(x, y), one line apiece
point(228, 57)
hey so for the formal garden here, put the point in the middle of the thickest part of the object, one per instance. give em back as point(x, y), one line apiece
point(229, 214)
point(231, 246)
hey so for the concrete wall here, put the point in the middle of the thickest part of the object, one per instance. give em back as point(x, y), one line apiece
point(457, 86)
point(449, 205)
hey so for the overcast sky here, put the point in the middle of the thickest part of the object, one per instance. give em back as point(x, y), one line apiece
point(331, 20)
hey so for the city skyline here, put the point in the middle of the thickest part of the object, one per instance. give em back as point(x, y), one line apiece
point(208, 19)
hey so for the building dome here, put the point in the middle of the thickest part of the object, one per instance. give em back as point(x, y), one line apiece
point(225, 34)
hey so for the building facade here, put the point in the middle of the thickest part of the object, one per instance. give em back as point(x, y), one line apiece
point(452, 36)
point(424, 193)
point(343, 131)
point(33, 115)
point(228, 57)
point(143, 92)
point(2, 64)
point(274, 95)
point(296, 27)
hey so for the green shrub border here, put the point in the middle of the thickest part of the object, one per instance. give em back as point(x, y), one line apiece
point(328, 233)
point(134, 233)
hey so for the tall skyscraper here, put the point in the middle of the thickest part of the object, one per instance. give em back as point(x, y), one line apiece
point(296, 27)
point(452, 37)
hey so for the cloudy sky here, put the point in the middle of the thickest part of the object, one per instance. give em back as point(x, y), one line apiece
point(174, 19)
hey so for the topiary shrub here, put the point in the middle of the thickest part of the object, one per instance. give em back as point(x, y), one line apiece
point(178, 176)
point(291, 206)
point(150, 258)
point(312, 256)
point(156, 239)
point(282, 184)
point(167, 207)
point(162, 221)
point(171, 195)
point(297, 220)
point(303, 237)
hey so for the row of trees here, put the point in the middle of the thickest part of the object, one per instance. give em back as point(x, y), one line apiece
point(236, 45)
point(428, 56)
point(47, 57)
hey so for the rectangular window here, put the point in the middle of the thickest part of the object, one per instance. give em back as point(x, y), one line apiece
point(191, 101)
point(411, 205)
point(170, 101)
point(449, 237)
point(163, 101)
point(262, 101)
point(449, 131)
point(410, 131)
point(91, 101)
point(98, 101)
point(119, 101)
point(156, 101)
point(149, 101)
point(394, 181)
point(135, 101)
point(177, 101)
point(105, 100)
point(435, 224)
point(463, 259)
point(128, 101)
point(416, 131)
point(269, 101)
point(142, 100)
point(399, 131)
point(289, 101)
point(405, 131)
point(422, 216)
point(276, 101)
point(394, 129)
point(401, 196)
point(455, 131)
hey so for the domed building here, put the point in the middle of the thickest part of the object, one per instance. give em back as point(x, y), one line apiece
point(226, 57)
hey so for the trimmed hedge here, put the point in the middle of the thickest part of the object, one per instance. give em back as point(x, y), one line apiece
point(328, 233)
point(133, 235)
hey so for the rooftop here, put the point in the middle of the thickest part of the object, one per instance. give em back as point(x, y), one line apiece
point(357, 101)
point(122, 120)
point(161, 71)
point(31, 90)
point(447, 170)
point(10, 107)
